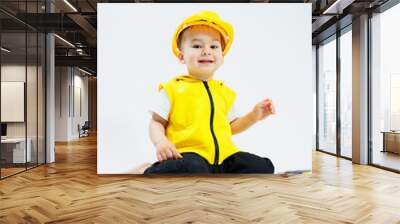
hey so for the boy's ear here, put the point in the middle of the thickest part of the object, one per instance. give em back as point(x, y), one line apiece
point(181, 58)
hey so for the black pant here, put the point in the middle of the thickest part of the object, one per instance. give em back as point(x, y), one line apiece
point(240, 162)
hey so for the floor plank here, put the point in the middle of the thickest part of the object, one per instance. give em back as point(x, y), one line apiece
point(70, 191)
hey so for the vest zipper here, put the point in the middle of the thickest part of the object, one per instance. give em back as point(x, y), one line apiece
point(216, 158)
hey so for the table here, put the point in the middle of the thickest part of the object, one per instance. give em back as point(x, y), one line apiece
point(391, 141)
point(13, 150)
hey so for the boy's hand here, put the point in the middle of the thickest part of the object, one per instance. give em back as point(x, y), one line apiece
point(166, 150)
point(263, 109)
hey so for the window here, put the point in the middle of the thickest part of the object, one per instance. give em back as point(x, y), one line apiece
point(327, 97)
point(385, 88)
point(22, 65)
point(346, 94)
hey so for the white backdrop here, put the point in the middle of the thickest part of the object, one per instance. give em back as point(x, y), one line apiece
point(270, 57)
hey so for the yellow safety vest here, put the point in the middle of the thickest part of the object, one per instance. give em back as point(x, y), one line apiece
point(198, 119)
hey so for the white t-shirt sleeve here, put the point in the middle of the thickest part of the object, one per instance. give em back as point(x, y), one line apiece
point(163, 106)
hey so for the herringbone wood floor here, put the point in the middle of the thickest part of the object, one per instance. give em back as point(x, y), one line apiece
point(70, 191)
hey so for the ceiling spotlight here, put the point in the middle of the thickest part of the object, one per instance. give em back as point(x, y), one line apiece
point(5, 50)
point(337, 7)
point(84, 71)
point(70, 5)
point(64, 40)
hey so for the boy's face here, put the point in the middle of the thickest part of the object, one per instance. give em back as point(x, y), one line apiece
point(201, 51)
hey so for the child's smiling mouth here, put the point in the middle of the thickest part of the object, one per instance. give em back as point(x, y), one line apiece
point(205, 61)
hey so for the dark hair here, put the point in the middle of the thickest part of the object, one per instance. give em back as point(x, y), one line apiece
point(179, 39)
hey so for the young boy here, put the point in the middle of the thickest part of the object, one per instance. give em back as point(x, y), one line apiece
point(191, 128)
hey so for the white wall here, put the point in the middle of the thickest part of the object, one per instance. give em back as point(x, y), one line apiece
point(80, 85)
point(270, 57)
point(17, 73)
point(68, 82)
point(33, 127)
point(61, 103)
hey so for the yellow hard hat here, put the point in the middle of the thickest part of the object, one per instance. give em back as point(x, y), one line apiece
point(208, 18)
